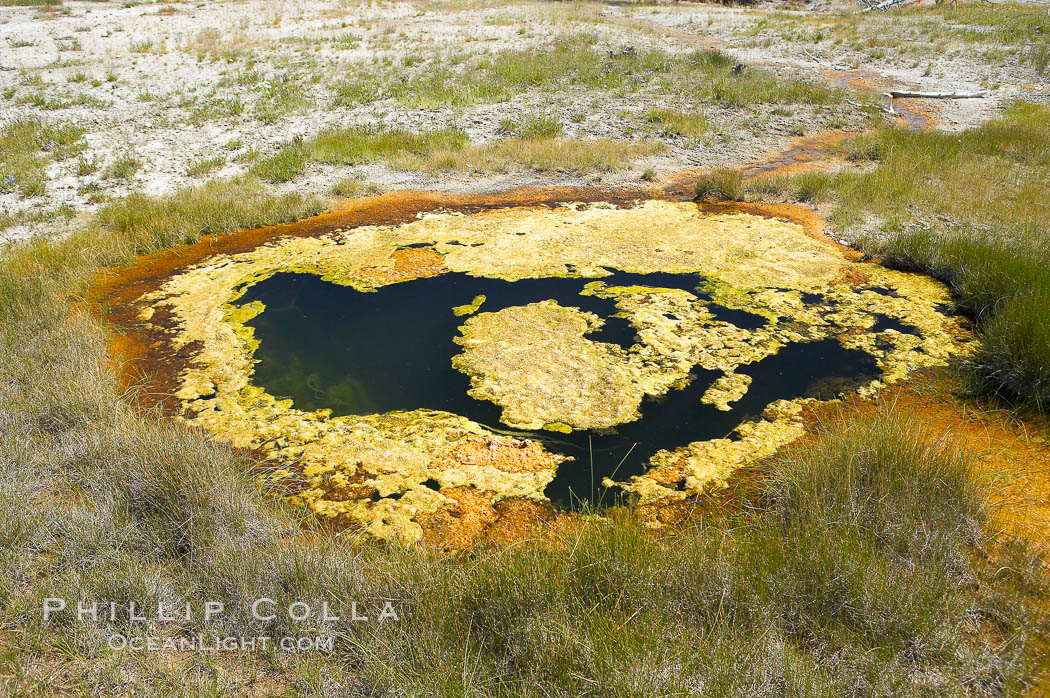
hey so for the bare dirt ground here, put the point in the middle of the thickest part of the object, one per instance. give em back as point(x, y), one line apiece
point(186, 92)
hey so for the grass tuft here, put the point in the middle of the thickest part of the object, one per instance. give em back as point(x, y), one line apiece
point(356, 145)
point(351, 187)
point(140, 223)
point(124, 167)
point(204, 166)
point(677, 123)
point(723, 184)
point(533, 126)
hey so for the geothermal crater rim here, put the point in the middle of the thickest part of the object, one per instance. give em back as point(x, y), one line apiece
point(427, 474)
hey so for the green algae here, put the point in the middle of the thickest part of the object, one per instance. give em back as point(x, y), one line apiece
point(548, 372)
point(469, 308)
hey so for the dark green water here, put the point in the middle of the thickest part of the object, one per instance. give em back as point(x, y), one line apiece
point(330, 346)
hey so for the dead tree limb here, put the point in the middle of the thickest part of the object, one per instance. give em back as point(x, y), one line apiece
point(884, 5)
point(895, 94)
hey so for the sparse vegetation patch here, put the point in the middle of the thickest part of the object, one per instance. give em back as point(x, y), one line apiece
point(27, 147)
point(706, 75)
point(450, 149)
point(969, 208)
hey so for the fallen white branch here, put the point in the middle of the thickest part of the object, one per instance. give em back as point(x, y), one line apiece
point(812, 57)
point(894, 94)
point(885, 4)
